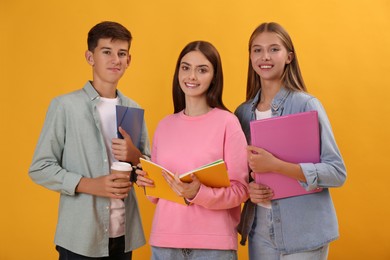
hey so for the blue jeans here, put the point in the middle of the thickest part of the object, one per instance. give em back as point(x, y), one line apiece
point(261, 243)
point(116, 252)
point(161, 253)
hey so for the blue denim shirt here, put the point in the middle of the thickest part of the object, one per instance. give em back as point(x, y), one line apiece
point(71, 146)
point(304, 222)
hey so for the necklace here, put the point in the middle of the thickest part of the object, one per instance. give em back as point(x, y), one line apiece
point(197, 113)
point(264, 106)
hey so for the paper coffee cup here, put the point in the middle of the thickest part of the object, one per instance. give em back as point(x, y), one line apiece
point(121, 167)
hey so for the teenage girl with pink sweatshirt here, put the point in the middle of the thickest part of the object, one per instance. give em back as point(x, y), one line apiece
point(200, 131)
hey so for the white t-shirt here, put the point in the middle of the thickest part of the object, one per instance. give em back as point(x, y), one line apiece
point(107, 112)
point(264, 115)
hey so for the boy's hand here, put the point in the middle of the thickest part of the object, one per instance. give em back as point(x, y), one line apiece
point(124, 149)
point(105, 186)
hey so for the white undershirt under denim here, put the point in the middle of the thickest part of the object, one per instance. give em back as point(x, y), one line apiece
point(264, 115)
point(107, 112)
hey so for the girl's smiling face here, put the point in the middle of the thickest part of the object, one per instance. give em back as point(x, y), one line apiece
point(195, 74)
point(269, 56)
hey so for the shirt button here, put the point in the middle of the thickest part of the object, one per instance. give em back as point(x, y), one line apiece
point(105, 230)
point(277, 220)
point(107, 207)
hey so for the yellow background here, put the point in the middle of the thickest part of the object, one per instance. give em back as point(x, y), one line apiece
point(344, 53)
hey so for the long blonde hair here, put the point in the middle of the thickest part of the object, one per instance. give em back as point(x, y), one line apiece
point(291, 78)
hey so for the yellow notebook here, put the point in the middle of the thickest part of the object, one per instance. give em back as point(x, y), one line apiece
point(213, 175)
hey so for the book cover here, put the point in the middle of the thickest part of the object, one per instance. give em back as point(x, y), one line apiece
point(131, 119)
point(212, 175)
point(293, 138)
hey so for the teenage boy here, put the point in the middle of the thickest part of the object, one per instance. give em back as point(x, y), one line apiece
point(97, 216)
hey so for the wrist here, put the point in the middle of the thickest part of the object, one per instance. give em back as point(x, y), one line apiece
point(83, 185)
point(80, 185)
point(134, 157)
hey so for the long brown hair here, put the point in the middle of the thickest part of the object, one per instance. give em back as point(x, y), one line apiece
point(291, 78)
point(214, 92)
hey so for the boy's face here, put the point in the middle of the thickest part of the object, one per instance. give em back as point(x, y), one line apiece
point(109, 61)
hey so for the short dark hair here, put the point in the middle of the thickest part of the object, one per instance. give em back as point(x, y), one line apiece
point(107, 30)
point(214, 92)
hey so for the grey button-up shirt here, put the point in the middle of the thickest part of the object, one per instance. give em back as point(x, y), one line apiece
point(71, 146)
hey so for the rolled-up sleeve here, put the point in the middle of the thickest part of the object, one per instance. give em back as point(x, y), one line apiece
point(331, 171)
point(45, 168)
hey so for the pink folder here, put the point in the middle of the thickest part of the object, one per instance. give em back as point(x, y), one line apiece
point(293, 138)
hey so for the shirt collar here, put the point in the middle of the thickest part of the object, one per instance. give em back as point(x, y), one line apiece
point(277, 102)
point(94, 95)
point(91, 91)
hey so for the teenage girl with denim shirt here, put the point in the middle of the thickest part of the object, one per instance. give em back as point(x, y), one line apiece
point(296, 227)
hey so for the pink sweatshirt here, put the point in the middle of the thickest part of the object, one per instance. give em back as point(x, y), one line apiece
point(182, 143)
